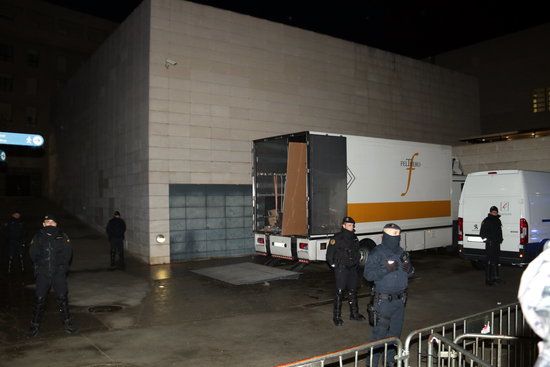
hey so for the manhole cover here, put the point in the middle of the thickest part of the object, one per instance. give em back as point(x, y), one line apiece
point(105, 309)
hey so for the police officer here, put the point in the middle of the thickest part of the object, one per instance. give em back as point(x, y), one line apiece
point(390, 268)
point(491, 232)
point(116, 227)
point(343, 256)
point(51, 252)
point(16, 240)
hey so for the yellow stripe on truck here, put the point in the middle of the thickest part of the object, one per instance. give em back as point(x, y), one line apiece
point(377, 212)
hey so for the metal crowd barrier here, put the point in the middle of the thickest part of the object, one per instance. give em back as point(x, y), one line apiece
point(506, 320)
point(482, 350)
point(352, 356)
point(499, 337)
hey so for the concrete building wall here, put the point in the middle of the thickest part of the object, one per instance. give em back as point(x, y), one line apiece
point(131, 125)
point(527, 154)
point(102, 134)
point(42, 46)
point(240, 78)
point(509, 68)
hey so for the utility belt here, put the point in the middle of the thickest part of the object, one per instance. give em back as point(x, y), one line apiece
point(390, 297)
point(374, 316)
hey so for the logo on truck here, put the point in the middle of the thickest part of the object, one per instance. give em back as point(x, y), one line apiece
point(411, 166)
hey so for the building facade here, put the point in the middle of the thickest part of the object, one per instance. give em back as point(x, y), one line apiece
point(159, 122)
point(514, 83)
point(41, 47)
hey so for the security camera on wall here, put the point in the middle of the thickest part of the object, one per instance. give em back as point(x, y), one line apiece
point(169, 62)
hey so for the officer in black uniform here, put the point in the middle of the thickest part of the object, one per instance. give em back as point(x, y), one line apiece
point(343, 256)
point(390, 268)
point(16, 234)
point(51, 252)
point(491, 232)
point(116, 227)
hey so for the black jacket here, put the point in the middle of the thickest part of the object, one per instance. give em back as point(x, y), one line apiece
point(15, 231)
point(50, 251)
point(343, 249)
point(491, 229)
point(116, 228)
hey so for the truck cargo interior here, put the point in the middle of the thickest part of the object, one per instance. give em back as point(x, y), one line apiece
point(300, 183)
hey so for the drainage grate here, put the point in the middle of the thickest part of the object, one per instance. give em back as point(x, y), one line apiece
point(98, 309)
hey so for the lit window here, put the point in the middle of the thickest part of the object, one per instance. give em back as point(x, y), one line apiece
point(541, 99)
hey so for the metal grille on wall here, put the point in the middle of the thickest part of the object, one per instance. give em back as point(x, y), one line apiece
point(210, 221)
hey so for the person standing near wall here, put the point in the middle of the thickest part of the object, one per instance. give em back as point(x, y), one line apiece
point(51, 252)
point(390, 268)
point(16, 237)
point(343, 256)
point(491, 233)
point(116, 228)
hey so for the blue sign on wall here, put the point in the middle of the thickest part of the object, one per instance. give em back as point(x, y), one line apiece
point(2, 156)
point(30, 140)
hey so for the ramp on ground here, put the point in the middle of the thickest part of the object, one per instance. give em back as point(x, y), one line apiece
point(246, 273)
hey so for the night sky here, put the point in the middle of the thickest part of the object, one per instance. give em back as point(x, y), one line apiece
point(417, 29)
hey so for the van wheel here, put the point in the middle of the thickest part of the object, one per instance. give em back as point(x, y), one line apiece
point(478, 265)
point(365, 246)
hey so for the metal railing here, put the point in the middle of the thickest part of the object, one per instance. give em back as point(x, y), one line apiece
point(352, 356)
point(481, 350)
point(499, 337)
point(506, 320)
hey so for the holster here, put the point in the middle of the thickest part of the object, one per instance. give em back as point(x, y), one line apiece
point(371, 312)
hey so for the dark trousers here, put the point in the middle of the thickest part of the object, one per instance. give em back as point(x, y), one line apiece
point(492, 252)
point(389, 324)
point(346, 278)
point(57, 281)
point(117, 246)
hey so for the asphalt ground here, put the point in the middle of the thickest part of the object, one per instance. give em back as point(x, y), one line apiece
point(167, 315)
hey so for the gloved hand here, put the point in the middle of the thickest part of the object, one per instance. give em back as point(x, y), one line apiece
point(406, 266)
point(391, 265)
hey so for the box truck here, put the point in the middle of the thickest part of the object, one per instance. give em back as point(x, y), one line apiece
point(523, 201)
point(305, 183)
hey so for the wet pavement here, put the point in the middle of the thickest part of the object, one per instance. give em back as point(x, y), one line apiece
point(167, 315)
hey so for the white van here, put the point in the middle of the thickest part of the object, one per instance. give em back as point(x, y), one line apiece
point(523, 201)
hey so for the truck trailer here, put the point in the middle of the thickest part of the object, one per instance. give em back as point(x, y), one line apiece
point(305, 183)
point(523, 200)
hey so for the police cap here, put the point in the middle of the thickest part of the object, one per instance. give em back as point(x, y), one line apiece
point(348, 220)
point(50, 217)
point(392, 225)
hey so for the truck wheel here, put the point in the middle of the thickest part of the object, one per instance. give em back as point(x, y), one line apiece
point(365, 246)
point(478, 265)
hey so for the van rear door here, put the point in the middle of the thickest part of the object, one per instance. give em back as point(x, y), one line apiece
point(483, 190)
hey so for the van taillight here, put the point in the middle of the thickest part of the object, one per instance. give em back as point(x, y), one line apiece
point(261, 240)
point(460, 229)
point(492, 173)
point(303, 246)
point(523, 231)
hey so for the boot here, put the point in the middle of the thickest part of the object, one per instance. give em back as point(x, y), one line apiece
point(497, 278)
point(337, 312)
point(36, 316)
point(22, 263)
point(489, 275)
point(65, 315)
point(354, 306)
